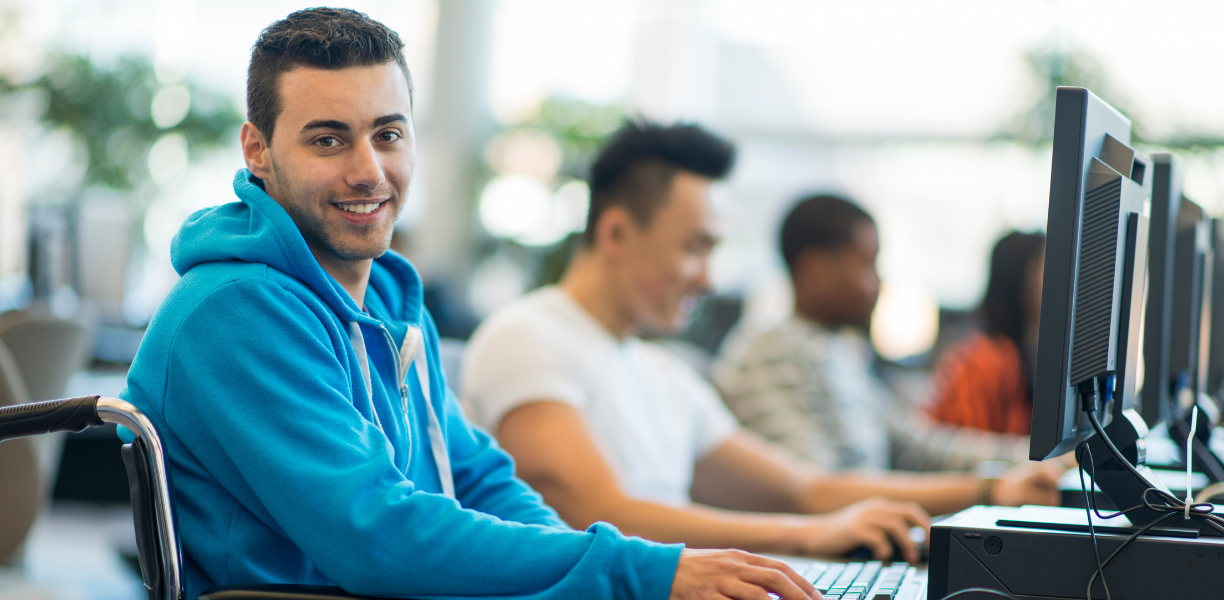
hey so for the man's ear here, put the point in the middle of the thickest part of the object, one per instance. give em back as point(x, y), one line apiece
point(813, 267)
point(613, 230)
point(255, 151)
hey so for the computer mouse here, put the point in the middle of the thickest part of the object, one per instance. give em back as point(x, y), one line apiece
point(917, 534)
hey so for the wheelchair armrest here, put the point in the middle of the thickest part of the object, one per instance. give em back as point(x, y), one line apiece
point(277, 592)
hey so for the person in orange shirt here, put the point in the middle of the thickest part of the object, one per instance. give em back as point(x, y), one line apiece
point(986, 380)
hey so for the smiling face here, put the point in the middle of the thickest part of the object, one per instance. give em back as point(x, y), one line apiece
point(341, 157)
point(663, 266)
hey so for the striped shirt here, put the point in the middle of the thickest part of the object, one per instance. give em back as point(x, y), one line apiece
point(814, 392)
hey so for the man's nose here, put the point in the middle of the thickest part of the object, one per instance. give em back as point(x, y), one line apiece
point(702, 282)
point(365, 169)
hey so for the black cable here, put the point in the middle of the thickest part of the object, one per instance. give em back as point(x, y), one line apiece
point(1092, 477)
point(1123, 545)
point(1089, 508)
point(1172, 505)
point(979, 591)
point(1203, 512)
point(1100, 431)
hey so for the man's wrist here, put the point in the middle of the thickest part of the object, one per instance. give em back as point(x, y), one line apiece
point(988, 473)
point(986, 491)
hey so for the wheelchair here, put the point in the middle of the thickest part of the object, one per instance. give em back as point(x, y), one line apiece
point(157, 541)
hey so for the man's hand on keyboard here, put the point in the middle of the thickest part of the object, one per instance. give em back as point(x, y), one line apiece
point(1031, 483)
point(876, 523)
point(723, 574)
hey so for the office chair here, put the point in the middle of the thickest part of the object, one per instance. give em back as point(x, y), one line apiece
point(152, 497)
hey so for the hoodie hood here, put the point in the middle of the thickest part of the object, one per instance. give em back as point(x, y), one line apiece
point(256, 229)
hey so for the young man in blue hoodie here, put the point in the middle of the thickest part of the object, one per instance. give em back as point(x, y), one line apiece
point(293, 373)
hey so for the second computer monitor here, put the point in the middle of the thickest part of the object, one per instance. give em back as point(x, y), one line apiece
point(1215, 325)
point(1179, 282)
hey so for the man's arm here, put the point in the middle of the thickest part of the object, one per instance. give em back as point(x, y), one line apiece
point(748, 473)
point(557, 456)
point(918, 443)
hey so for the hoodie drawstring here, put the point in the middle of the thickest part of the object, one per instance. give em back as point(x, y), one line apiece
point(413, 351)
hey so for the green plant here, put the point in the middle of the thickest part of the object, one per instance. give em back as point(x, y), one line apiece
point(109, 111)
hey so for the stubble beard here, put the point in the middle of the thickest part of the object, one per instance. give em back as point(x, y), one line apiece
point(314, 228)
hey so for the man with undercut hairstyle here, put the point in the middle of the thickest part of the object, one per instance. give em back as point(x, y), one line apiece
point(294, 374)
point(610, 427)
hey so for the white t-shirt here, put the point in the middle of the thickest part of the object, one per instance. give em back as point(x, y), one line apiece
point(650, 414)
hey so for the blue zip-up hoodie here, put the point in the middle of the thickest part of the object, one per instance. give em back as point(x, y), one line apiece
point(288, 469)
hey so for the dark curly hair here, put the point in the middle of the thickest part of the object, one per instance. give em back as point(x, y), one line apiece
point(819, 221)
point(321, 38)
point(636, 167)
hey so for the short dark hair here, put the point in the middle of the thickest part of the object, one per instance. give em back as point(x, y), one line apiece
point(321, 38)
point(636, 167)
point(819, 221)
point(1003, 311)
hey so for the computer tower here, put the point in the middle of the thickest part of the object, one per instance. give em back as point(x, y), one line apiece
point(1046, 553)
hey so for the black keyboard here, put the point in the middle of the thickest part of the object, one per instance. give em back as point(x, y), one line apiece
point(861, 580)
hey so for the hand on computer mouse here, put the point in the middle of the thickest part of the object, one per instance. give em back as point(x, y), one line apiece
point(876, 524)
point(1030, 483)
point(917, 534)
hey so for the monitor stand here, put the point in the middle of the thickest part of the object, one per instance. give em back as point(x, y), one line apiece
point(1126, 430)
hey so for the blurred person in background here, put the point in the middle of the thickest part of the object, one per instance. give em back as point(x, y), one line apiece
point(986, 380)
point(295, 378)
point(809, 384)
point(610, 427)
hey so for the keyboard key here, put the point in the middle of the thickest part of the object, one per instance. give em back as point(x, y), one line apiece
point(846, 578)
point(814, 572)
point(862, 582)
point(889, 581)
point(828, 577)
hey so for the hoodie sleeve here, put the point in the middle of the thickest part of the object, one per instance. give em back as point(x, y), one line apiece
point(257, 394)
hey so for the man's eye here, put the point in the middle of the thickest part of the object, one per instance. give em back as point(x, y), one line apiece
point(388, 136)
point(327, 142)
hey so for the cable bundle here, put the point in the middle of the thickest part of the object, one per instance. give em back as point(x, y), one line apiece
point(1169, 504)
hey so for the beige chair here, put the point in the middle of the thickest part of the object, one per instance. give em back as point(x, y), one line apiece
point(23, 489)
point(48, 350)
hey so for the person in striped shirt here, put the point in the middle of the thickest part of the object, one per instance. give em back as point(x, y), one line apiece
point(809, 383)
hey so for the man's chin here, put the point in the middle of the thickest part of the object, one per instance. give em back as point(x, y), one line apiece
point(667, 324)
point(355, 251)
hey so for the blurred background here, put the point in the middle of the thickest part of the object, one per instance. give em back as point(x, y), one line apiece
point(121, 118)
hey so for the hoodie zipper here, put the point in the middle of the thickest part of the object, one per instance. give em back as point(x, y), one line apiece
point(402, 379)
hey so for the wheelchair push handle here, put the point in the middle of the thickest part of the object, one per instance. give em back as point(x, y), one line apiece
point(37, 418)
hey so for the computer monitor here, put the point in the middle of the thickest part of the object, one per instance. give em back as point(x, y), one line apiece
point(1215, 346)
point(1192, 255)
point(1155, 393)
point(1176, 346)
point(1178, 251)
point(1095, 267)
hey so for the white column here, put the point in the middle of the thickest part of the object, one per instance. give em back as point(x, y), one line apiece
point(452, 138)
